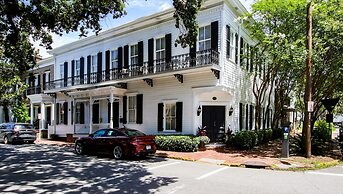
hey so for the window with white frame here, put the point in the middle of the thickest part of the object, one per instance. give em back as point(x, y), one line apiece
point(205, 38)
point(36, 79)
point(160, 49)
point(61, 111)
point(77, 68)
point(134, 55)
point(62, 71)
point(77, 113)
point(170, 116)
point(94, 65)
point(232, 46)
point(132, 109)
point(114, 59)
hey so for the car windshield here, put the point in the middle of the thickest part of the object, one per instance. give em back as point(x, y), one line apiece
point(131, 132)
point(23, 126)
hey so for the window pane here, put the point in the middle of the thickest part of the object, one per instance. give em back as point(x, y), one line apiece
point(158, 45)
point(208, 45)
point(201, 33)
point(163, 43)
point(201, 46)
point(131, 116)
point(207, 32)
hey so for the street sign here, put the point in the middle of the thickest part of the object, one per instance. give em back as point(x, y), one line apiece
point(330, 103)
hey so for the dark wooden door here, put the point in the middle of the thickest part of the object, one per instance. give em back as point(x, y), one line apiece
point(95, 113)
point(213, 117)
point(115, 114)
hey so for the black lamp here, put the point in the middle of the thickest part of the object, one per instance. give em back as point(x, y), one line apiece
point(230, 111)
point(199, 110)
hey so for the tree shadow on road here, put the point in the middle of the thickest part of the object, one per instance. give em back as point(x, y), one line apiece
point(46, 168)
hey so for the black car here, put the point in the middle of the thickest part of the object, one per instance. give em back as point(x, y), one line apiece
point(17, 133)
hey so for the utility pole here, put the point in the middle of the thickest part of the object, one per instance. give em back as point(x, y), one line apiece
point(308, 87)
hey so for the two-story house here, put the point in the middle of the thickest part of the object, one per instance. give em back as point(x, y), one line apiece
point(134, 76)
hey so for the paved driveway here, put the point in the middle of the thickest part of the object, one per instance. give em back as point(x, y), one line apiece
point(56, 169)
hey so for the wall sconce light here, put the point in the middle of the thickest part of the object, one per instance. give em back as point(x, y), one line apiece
point(230, 111)
point(199, 110)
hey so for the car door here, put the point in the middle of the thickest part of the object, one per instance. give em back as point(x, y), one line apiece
point(98, 140)
point(111, 140)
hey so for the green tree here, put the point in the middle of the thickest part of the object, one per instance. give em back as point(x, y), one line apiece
point(20, 112)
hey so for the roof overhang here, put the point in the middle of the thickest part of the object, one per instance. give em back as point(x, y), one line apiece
point(40, 98)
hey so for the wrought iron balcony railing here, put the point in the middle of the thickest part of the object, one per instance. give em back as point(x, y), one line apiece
point(179, 62)
point(33, 90)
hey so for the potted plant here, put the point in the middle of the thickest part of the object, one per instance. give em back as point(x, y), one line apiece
point(203, 140)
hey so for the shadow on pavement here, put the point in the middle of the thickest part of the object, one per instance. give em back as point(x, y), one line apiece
point(47, 168)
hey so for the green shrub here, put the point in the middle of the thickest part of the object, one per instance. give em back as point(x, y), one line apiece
point(245, 139)
point(322, 130)
point(204, 139)
point(268, 136)
point(177, 143)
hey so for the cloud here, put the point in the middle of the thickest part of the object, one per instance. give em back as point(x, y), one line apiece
point(164, 6)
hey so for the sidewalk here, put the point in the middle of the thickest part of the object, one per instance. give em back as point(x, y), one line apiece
point(52, 142)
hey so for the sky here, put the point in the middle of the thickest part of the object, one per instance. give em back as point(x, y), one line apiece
point(135, 9)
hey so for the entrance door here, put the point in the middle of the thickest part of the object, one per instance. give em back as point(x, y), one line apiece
point(96, 113)
point(213, 117)
point(115, 113)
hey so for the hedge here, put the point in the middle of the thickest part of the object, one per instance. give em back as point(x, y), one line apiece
point(178, 143)
point(249, 139)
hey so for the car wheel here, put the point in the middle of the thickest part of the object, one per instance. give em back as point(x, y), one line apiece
point(6, 140)
point(117, 152)
point(79, 148)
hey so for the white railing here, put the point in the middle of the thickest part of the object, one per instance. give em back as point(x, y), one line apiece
point(81, 128)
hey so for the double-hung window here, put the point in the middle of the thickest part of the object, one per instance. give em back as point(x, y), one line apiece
point(94, 65)
point(134, 55)
point(205, 38)
point(62, 71)
point(170, 116)
point(232, 46)
point(160, 50)
point(61, 111)
point(132, 109)
point(77, 112)
point(77, 68)
point(114, 59)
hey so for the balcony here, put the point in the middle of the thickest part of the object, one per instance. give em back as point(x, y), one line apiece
point(33, 90)
point(177, 63)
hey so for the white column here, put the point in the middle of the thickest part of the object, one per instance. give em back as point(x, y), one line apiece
point(31, 112)
point(53, 119)
point(111, 110)
point(42, 111)
point(90, 115)
point(74, 114)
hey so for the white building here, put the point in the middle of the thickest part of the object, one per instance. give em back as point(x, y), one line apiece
point(134, 76)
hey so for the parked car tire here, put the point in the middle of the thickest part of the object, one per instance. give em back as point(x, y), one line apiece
point(117, 152)
point(79, 148)
point(6, 140)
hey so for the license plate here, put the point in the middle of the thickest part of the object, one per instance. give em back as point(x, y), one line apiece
point(26, 135)
point(148, 147)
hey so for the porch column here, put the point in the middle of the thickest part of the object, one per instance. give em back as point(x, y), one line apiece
point(42, 111)
point(111, 110)
point(53, 119)
point(31, 112)
point(90, 115)
point(74, 114)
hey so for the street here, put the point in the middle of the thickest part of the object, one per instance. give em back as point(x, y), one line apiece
point(39, 168)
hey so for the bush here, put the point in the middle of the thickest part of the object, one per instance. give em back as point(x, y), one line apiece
point(177, 143)
point(322, 130)
point(245, 139)
point(277, 133)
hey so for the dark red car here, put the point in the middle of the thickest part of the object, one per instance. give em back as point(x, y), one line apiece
point(122, 142)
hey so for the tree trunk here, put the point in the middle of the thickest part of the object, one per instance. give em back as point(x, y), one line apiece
point(7, 114)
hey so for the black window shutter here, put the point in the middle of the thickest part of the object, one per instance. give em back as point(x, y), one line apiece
point(228, 36)
point(126, 57)
point(160, 117)
point(178, 116)
point(139, 116)
point(44, 80)
point(251, 117)
point(140, 53)
point(107, 64)
point(72, 112)
point(82, 69)
point(65, 74)
point(240, 116)
point(192, 54)
point(89, 69)
point(168, 38)
point(252, 50)
point(214, 35)
point(72, 72)
point(247, 57)
point(82, 113)
point(99, 74)
point(236, 48)
point(246, 116)
point(150, 53)
point(124, 109)
point(65, 109)
point(58, 113)
point(241, 51)
point(120, 58)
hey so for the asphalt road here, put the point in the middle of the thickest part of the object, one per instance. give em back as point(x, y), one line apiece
point(55, 169)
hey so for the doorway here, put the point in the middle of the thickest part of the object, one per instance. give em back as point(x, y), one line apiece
point(213, 117)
